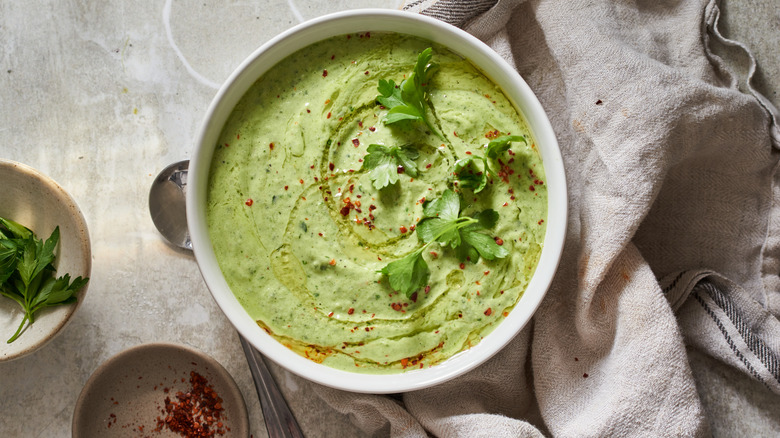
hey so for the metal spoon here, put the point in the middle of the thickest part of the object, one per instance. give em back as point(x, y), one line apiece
point(168, 209)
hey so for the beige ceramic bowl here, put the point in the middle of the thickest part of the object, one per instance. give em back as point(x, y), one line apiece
point(126, 395)
point(37, 202)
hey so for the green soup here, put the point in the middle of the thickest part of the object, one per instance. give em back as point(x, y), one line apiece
point(301, 233)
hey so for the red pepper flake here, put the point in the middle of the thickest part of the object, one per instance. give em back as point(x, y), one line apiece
point(455, 133)
point(434, 254)
point(351, 311)
point(396, 306)
point(504, 204)
point(300, 181)
point(403, 229)
point(499, 241)
point(319, 234)
point(286, 187)
point(360, 123)
point(538, 182)
point(492, 134)
point(427, 288)
point(249, 202)
point(541, 221)
point(332, 262)
point(324, 73)
point(599, 102)
point(329, 115)
point(414, 297)
point(366, 73)
point(585, 375)
point(196, 413)
point(404, 362)
point(468, 152)
point(308, 110)
point(331, 166)
point(356, 142)
point(462, 266)
point(488, 312)
point(487, 272)
point(330, 315)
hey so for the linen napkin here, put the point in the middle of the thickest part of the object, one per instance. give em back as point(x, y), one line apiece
point(673, 229)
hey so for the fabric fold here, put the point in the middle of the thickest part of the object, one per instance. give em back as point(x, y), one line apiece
point(672, 175)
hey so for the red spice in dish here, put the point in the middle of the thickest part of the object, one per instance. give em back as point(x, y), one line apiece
point(196, 413)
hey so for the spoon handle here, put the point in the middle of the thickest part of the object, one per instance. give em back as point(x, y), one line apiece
point(279, 420)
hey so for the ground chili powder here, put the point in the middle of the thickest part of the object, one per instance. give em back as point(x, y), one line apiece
point(196, 413)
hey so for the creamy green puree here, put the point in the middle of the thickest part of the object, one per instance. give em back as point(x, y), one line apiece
point(300, 232)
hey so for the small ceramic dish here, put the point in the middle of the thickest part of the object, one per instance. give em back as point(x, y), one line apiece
point(126, 396)
point(37, 202)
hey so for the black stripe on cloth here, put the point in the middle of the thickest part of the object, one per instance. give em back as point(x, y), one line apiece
point(673, 283)
point(754, 343)
point(412, 4)
point(725, 333)
point(458, 12)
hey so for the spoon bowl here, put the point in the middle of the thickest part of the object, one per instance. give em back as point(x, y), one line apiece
point(167, 204)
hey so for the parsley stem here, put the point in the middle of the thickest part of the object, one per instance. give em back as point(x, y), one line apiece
point(19, 330)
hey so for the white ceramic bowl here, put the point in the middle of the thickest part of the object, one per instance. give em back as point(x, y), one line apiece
point(37, 202)
point(495, 68)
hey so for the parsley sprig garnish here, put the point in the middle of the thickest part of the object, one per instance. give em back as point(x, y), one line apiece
point(442, 223)
point(407, 101)
point(26, 272)
point(383, 162)
point(473, 172)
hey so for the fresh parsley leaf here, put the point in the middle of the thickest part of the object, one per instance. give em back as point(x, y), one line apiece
point(382, 163)
point(439, 216)
point(499, 145)
point(469, 174)
point(485, 245)
point(9, 251)
point(15, 229)
point(407, 274)
point(474, 172)
point(26, 272)
point(407, 100)
point(389, 94)
point(443, 224)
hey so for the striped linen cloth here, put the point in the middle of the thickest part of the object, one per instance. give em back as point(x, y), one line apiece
point(674, 229)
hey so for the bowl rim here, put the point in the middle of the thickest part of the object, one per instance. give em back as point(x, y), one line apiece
point(498, 70)
point(75, 212)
